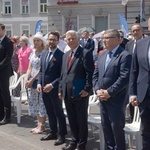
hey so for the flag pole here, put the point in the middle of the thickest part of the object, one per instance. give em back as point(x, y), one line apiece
point(125, 11)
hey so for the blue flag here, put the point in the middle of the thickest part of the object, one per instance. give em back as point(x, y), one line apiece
point(123, 24)
point(38, 26)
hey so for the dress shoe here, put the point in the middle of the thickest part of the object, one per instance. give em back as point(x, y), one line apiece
point(49, 137)
point(69, 147)
point(59, 141)
point(5, 121)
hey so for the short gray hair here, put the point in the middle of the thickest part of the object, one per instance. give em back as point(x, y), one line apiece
point(113, 32)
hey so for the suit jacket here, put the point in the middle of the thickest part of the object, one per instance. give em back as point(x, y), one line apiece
point(129, 46)
point(51, 74)
point(89, 44)
point(81, 69)
point(115, 77)
point(140, 70)
point(6, 52)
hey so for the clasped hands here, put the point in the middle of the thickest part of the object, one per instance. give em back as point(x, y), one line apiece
point(47, 88)
point(102, 94)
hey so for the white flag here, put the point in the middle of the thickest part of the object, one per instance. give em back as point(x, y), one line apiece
point(124, 2)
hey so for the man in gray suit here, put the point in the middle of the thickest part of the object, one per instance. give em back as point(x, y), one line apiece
point(140, 86)
point(110, 81)
point(75, 87)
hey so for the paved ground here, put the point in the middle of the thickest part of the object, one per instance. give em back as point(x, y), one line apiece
point(18, 137)
point(15, 136)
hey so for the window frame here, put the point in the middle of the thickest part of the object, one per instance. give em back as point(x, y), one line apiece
point(43, 5)
point(7, 7)
point(21, 8)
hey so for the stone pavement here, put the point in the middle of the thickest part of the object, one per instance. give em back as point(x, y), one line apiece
point(18, 137)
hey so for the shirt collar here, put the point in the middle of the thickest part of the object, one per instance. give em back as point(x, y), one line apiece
point(114, 50)
point(1, 39)
point(53, 51)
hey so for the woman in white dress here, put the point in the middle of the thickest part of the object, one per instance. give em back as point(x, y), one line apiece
point(35, 103)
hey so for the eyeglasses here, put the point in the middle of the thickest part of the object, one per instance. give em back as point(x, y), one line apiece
point(106, 38)
point(54, 40)
point(137, 30)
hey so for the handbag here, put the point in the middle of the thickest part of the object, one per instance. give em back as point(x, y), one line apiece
point(34, 85)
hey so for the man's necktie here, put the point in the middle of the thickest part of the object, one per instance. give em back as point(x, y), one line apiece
point(108, 59)
point(48, 58)
point(70, 59)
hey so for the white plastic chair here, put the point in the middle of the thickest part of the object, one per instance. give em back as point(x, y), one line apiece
point(133, 129)
point(95, 120)
point(23, 95)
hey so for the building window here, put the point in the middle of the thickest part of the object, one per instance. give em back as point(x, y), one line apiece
point(43, 6)
point(7, 7)
point(25, 28)
point(9, 30)
point(44, 29)
point(25, 6)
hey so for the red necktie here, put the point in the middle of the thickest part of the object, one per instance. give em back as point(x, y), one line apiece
point(69, 60)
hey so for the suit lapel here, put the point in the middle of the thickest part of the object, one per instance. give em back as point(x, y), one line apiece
point(76, 55)
point(115, 56)
point(146, 44)
point(44, 59)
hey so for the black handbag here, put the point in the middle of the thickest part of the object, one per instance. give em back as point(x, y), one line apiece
point(34, 85)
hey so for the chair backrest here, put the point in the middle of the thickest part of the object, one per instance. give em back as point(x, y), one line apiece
point(93, 101)
point(136, 117)
point(21, 80)
point(12, 81)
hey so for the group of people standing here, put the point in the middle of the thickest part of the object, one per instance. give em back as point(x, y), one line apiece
point(54, 76)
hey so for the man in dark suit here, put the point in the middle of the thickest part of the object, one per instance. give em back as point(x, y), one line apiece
point(75, 86)
point(48, 82)
point(137, 32)
point(140, 86)
point(86, 42)
point(110, 80)
point(6, 51)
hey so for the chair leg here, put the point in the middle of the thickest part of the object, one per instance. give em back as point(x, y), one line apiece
point(18, 105)
point(138, 141)
point(130, 141)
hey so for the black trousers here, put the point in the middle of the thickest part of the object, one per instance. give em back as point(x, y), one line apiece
point(5, 99)
point(77, 116)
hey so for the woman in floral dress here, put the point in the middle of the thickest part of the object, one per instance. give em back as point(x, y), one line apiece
point(35, 103)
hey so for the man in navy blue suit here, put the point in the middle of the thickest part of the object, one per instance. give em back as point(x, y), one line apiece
point(86, 42)
point(75, 87)
point(6, 51)
point(110, 81)
point(49, 76)
point(140, 86)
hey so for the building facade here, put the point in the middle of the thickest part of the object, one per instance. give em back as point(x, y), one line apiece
point(99, 14)
point(21, 16)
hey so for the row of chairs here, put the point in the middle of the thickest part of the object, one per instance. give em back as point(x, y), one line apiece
point(132, 129)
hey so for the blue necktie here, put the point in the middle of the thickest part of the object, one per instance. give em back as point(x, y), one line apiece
point(108, 59)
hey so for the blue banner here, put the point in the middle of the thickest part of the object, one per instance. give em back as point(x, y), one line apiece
point(123, 24)
point(38, 26)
